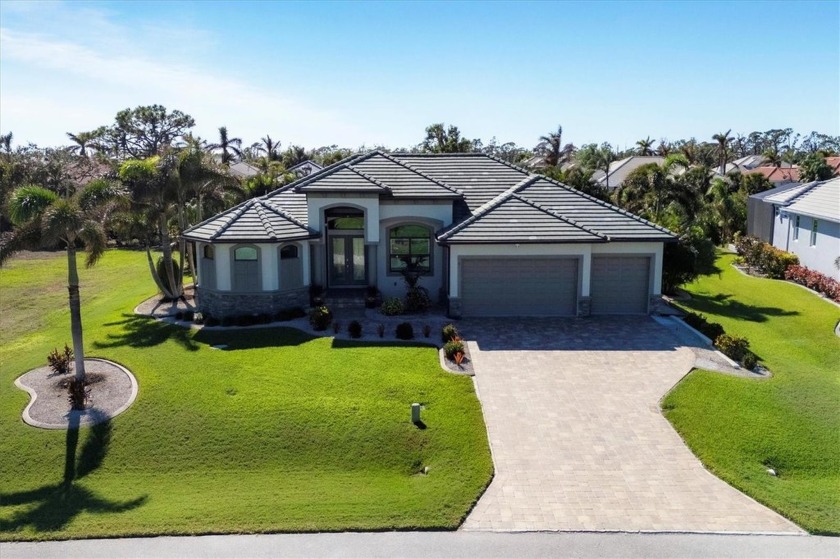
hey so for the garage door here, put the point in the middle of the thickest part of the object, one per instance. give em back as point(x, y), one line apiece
point(619, 284)
point(519, 286)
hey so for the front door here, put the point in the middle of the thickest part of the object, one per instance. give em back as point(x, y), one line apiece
point(347, 260)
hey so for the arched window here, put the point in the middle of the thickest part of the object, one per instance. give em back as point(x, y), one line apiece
point(410, 245)
point(209, 252)
point(291, 267)
point(247, 273)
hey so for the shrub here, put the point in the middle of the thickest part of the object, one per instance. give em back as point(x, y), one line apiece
point(189, 316)
point(199, 318)
point(210, 320)
point(355, 329)
point(448, 333)
point(77, 393)
point(749, 360)
point(380, 330)
point(59, 361)
point(336, 326)
point(316, 295)
point(452, 347)
point(227, 321)
point(711, 330)
point(179, 315)
point(733, 347)
point(427, 330)
point(392, 307)
point(263, 318)
point(320, 318)
point(814, 280)
point(405, 331)
point(417, 300)
point(764, 257)
point(371, 297)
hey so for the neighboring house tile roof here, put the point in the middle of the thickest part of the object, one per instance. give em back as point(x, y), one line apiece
point(822, 201)
point(783, 196)
point(749, 161)
point(623, 167)
point(308, 164)
point(243, 170)
point(493, 201)
point(768, 195)
point(776, 174)
point(254, 220)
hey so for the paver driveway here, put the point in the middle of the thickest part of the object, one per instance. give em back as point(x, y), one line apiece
point(578, 439)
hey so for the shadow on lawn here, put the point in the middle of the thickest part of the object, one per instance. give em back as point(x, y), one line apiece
point(356, 344)
point(55, 505)
point(252, 338)
point(724, 305)
point(140, 331)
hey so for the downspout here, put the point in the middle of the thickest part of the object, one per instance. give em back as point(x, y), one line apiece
point(787, 237)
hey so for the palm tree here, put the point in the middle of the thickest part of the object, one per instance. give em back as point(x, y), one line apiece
point(773, 156)
point(228, 147)
point(269, 147)
point(552, 149)
point(645, 147)
point(604, 159)
point(723, 143)
point(293, 156)
point(45, 219)
point(664, 148)
point(84, 141)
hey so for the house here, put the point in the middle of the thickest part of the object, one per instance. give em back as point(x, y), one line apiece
point(808, 224)
point(762, 209)
point(243, 170)
point(305, 168)
point(619, 170)
point(491, 239)
point(776, 175)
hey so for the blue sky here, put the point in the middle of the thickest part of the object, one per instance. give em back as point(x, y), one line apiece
point(353, 73)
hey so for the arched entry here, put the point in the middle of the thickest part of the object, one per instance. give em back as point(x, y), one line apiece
point(346, 262)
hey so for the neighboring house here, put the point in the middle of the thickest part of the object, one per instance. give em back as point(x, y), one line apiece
point(492, 239)
point(777, 175)
point(305, 169)
point(808, 224)
point(748, 162)
point(762, 209)
point(242, 170)
point(619, 170)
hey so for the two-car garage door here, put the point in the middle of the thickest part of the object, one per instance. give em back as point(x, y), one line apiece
point(548, 286)
point(519, 286)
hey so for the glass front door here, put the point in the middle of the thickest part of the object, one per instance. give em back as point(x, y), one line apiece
point(347, 260)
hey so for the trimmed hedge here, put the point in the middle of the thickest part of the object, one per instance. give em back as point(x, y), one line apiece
point(764, 257)
point(814, 280)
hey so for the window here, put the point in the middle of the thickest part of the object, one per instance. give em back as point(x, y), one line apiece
point(288, 252)
point(814, 227)
point(207, 275)
point(209, 253)
point(410, 245)
point(796, 228)
point(245, 254)
point(247, 274)
point(291, 267)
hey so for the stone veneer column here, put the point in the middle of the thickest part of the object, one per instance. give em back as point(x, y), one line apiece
point(454, 307)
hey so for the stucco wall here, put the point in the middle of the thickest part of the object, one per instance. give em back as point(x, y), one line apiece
point(821, 255)
point(269, 264)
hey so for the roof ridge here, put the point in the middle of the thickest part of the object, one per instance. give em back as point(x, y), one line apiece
point(608, 205)
point(419, 172)
point(260, 209)
point(568, 220)
point(370, 178)
point(283, 213)
point(236, 215)
point(325, 172)
point(489, 205)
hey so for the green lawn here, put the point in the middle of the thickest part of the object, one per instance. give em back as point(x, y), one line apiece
point(281, 432)
point(790, 422)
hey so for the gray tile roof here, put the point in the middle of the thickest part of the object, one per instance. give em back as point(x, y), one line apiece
point(494, 202)
point(541, 210)
point(821, 201)
point(256, 220)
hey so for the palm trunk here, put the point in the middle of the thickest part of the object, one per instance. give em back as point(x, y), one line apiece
point(166, 247)
point(155, 277)
point(75, 312)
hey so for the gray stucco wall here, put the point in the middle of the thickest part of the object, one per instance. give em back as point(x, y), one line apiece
point(821, 255)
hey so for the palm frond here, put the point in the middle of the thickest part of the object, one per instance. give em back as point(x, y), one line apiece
point(24, 237)
point(29, 202)
point(92, 234)
point(61, 221)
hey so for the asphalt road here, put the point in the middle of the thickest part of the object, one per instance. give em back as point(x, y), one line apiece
point(437, 544)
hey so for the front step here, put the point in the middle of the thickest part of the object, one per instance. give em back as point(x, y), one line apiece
point(345, 299)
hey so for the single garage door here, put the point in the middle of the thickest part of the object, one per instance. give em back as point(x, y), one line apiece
point(519, 286)
point(619, 284)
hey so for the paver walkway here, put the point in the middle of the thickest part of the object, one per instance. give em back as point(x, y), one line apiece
point(578, 439)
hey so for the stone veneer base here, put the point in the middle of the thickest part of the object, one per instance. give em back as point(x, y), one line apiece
point(221, 304)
